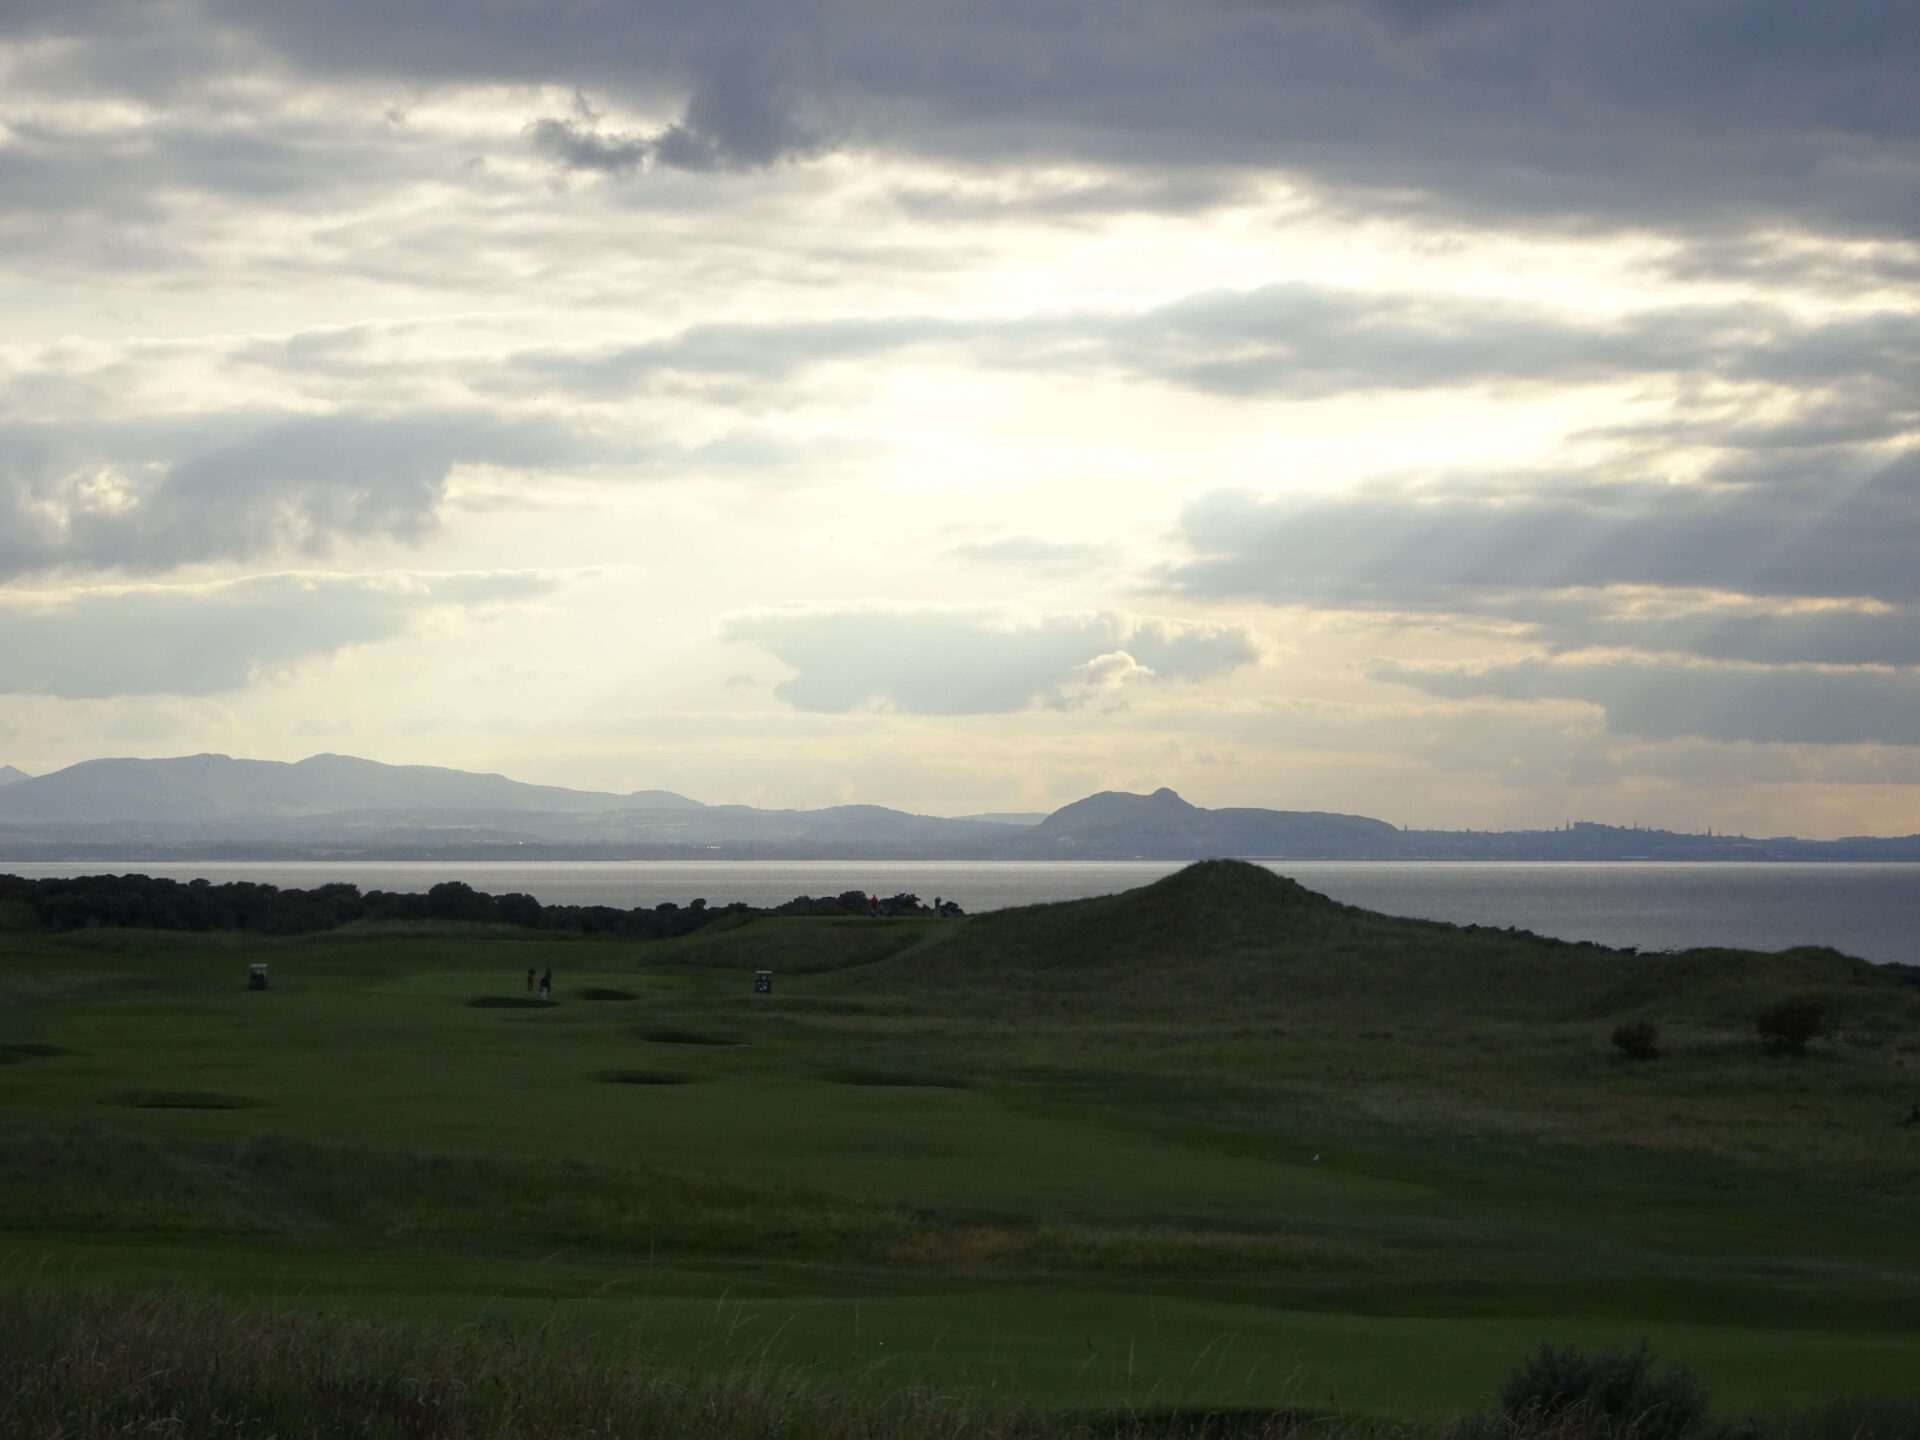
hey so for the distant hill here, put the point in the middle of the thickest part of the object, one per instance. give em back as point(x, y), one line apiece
point(1115, 825)
point(216, 807)
point(212, 787)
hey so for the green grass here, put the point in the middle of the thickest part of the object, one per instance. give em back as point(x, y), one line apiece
point(1217, 1142)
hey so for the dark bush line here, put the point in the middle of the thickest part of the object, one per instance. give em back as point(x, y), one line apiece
point(146, 903)
point(854, 902)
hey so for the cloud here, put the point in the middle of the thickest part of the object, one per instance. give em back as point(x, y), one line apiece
point(739, 117)
point(1030, 555)
point(1780, 704)
point(104, 180)
point(1778, 612)
point(1716, 628)
point(152, 495)
point(976, 662)
point(1822, 535)
point(735, 352)
point(573, 146)
point(210, 639)
point(1615, 112)
point(1852, 378)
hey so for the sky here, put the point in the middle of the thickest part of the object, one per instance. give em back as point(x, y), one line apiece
point(1461, 412)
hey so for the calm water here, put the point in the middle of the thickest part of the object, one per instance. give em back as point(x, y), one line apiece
point(1867, 910)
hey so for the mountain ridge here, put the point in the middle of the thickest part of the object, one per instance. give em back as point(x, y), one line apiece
point(211, 807)
point(211, 786)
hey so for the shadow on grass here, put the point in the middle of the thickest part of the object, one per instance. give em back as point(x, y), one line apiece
point(857, 1076)
point(511, 1002)
point(180, 1100)
point(643, 1077)
point(596, 993)
point(28, 1050)
point(671, 1036)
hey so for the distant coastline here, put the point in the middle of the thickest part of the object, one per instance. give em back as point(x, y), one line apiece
point(338, 807)
point(1586, 844)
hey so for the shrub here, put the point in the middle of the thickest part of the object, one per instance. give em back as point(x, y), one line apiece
point(1611, 1393)
point(1790, 1024)
point(1637, 1040)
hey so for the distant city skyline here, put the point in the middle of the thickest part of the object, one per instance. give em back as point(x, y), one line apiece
point(1468, 415)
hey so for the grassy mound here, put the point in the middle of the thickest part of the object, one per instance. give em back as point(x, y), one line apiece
point(1725, 985)
point(1191, 940)
point(1227, 938)
point(511, 1002)
point(1218, 907)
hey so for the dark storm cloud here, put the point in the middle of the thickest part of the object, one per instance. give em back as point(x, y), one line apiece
point(207, 640)
point(969, 662)
point(1576, 111)
point(151, 495)
point(572, 145)
point(1823, 535)
point(1792, 705)
point(727, 126)
point(739, 117)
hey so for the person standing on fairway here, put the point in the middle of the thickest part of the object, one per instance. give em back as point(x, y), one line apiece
point(529, 979)
point(546, 983)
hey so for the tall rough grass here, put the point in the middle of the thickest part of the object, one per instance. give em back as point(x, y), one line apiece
point(87, 1367)
point(96, 1366)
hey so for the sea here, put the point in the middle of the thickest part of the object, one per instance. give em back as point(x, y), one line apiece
point(1869, 910)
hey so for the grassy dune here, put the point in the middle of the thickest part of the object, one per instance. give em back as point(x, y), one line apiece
point(1214, 1143)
